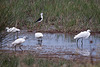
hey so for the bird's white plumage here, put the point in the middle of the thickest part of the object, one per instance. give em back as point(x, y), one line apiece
point(38, 35)
point(84, 34)
point(13, 29)
point(8, 29)
point(41, 17)
point(18, 41)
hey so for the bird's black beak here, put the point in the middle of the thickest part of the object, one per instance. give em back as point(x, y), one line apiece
point(27, 38)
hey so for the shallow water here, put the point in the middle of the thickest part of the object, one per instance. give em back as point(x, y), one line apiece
point(56, 43)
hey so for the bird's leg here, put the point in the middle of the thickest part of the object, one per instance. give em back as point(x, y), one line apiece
point(39, 41)
point(39, 25)
point(20, 48)
point(17, 34)
point(14, 36)
point(82, 43)
point(15, 47)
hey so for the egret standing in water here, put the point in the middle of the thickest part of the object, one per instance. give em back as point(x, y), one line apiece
point(84, 34)
point(18, 42)
point(13, 29)
point(39, 37)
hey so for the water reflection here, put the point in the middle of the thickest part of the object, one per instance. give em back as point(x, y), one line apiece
point(57, 42)
point(39, 41)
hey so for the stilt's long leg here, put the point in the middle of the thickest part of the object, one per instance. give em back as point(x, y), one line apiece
point(39, 25)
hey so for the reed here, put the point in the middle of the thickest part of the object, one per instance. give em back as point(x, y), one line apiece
point(65, 14)
point(30, 60)
point(8, 61)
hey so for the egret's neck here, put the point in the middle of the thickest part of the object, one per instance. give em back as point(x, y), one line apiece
point(88, 30)
point(24, 37)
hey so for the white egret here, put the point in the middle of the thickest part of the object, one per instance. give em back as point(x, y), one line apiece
point(39, 36)
point(13, 29)
point(18, 42)
point(84, 34)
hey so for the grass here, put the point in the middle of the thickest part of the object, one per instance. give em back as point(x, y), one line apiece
point(30, 60)
point(8, 61)
point(70, 14)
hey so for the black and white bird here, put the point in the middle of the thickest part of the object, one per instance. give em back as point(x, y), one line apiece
point(40, 19)
point(84, 34)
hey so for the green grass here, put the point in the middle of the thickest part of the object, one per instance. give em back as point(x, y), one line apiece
point(30, 60)
point(8, 61)
point(70, 14)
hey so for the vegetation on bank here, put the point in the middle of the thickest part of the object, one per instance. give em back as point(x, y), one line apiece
point(30, 60)
point(60, 15)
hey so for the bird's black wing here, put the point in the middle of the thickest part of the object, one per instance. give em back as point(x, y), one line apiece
point(38, 19)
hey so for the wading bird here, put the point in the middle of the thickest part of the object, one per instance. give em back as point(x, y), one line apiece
point(18, 42)
point(84, 34)
point(13, 29)
point(39, 37)
point(39, 20)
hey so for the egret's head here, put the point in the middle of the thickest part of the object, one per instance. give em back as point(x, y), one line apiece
point(88, 30)
point(41, 14)
point(7, 27)
point(25, 37)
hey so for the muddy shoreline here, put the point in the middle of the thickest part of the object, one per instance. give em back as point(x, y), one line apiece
point(74, 57)
point(60, 31)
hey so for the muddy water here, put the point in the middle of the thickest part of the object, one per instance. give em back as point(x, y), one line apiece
point(57, 44)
